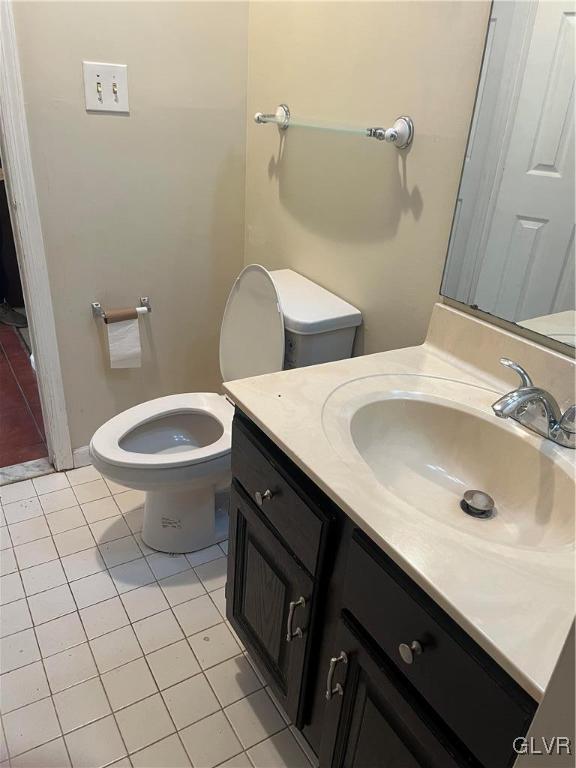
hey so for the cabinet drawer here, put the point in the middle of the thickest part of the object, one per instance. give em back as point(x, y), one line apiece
point(297, 520)
point(479, 702)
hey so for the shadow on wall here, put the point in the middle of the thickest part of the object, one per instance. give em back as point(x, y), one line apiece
point(224, 267)
point(344, 187)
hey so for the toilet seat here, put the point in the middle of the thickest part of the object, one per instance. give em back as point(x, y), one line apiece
point(106, 442)
point(252, 331)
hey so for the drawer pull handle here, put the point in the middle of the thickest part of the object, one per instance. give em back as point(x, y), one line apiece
point(262, 497)
point(290, 634)
point(408, 652)
point(330, 691)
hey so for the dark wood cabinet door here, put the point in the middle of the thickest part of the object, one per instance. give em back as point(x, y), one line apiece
point(457, 679)
point(269, 600)
point(368, 723)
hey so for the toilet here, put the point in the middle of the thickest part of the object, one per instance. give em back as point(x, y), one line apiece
point(177, 448)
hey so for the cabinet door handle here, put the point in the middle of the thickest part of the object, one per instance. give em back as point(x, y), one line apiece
point(261, 497)
point(291, 634)
point(408, 652)
point(330, 691)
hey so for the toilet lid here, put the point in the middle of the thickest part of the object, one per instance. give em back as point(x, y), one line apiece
point(252, 332)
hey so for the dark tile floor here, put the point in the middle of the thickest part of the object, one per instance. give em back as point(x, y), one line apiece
point(22, 435)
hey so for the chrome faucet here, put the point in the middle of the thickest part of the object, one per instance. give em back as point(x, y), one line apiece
point(547, 420)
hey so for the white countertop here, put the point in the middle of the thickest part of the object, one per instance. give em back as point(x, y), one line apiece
point(517, 603)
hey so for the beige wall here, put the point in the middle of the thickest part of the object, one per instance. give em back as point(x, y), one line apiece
point(152, 203)
point(357, 216)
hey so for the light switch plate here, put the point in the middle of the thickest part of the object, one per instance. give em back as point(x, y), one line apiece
point(105, 87)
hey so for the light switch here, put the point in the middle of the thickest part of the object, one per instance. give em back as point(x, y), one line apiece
point(105, 87)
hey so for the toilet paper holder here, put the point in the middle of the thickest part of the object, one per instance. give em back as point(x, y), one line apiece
point(116, 315)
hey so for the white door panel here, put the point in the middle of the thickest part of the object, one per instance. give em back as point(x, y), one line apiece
point(529, 244)
point(512, 246)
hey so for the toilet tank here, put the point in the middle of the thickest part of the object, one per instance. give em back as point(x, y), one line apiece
point(319, 327)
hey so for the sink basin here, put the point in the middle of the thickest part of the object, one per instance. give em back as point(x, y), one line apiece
point(426, 441)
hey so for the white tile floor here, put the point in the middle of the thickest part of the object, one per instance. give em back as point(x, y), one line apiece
point(113, 654)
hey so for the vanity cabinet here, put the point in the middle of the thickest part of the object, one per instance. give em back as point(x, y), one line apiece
point(278, 539)
point(365, 663)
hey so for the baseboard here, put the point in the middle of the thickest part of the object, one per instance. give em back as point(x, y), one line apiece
point(81, 456)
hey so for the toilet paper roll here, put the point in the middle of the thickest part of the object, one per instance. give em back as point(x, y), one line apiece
point(117, 315)
point(124, 344)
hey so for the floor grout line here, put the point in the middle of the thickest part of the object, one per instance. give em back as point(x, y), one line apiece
point(100, 680)
point(98, 676)
point(42, 656)
point(103, 600)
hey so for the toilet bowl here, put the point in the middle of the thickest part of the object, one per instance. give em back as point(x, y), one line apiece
point(177, 448)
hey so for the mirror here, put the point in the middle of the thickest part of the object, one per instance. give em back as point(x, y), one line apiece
point(511, 251)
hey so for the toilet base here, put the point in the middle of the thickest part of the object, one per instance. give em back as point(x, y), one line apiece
point(184, 521)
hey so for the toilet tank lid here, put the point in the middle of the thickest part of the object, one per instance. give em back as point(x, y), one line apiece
point(309, 308)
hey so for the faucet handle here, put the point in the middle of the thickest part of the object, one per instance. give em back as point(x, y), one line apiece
point(524, 377)
point(568, 420)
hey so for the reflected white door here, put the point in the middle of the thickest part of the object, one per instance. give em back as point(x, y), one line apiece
point(528, 264)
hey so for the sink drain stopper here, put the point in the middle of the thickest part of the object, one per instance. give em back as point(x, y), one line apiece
point(477, 504)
